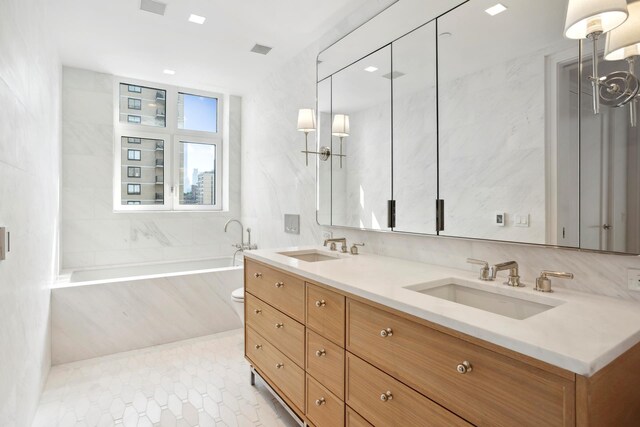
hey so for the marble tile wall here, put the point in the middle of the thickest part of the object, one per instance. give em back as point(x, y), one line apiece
point(91, 233)
point(29, 182)
point(275, 180)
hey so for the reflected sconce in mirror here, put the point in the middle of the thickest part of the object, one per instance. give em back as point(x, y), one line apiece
point(306, 124)
point(589, 19)
point(340, 128)
point(624, 43)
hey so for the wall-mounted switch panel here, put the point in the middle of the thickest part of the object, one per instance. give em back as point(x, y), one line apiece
point(633, 275)
point(5, 243)
point(521, 220)
point(499, 219)
point(292, 224)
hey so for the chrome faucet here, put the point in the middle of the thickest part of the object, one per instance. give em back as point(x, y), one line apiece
point(241, 246)
point(333, 242)
point(512, 266)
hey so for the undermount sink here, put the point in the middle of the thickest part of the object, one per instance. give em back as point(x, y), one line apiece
point(460, 292)
point(311, 255)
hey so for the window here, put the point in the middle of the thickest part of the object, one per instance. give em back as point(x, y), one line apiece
point(135, 104)
point(133, 189)
point(151, 102)
point(198, 184)
point(134, 172)
point(134, 155)
point(199, 113)
point(170, 149)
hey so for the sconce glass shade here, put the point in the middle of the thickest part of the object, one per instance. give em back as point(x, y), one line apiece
point(624, 41)
point(306, 120)
point(586, 17)
point(340, 126)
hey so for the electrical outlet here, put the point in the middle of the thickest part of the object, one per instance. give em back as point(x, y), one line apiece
point(633, 275)
point(327, 235)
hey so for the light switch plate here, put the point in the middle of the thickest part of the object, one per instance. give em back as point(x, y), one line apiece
point(633, 276)
point(4, 241)
point(292, 224)
point(521, 220)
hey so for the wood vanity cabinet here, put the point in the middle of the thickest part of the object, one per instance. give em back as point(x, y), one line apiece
point(341, 360)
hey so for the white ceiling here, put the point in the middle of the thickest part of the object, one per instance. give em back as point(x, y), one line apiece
point(115, 36)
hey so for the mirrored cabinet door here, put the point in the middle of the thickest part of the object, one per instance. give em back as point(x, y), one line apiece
point(508, 145)
point(415, 143)
point(323, 118)
point(361, 142)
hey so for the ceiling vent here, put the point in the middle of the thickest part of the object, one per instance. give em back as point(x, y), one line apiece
point(153, 7)
point(393, 75)
point(262, 50)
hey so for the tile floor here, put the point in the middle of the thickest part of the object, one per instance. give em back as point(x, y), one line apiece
point(198, 382)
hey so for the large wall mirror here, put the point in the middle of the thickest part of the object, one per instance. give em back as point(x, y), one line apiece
point(491, 114)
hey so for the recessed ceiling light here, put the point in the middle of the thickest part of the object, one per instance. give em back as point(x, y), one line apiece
point(261, 49)
point(494, 10)
point(371, 69)
point(170, 72)
point(197, 19)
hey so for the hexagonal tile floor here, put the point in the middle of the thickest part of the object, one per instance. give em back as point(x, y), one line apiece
point(198, 382)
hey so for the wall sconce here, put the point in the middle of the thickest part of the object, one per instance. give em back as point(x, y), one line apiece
point(589, 19)
point(306, 124)
point(624, 43)
point(340, 128)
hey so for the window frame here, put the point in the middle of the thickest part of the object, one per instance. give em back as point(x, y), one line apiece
point(171, 136)
point(137, 105)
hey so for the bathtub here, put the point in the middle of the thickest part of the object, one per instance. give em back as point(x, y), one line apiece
point(101, 311)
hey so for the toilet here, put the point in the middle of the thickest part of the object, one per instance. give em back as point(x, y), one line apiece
point(237, 299)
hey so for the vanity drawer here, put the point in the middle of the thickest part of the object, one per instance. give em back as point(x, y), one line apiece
point(325, 313)
point(282, 331)
point(325, 362)
point(324, 409)
point(355, 420)
point(280, 370)
point(497, 391)
point(400, 406)
point(284, 292)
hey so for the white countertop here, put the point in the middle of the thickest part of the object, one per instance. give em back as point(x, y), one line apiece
point(582, 333)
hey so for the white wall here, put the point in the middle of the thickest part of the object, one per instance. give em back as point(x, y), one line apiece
point(29, 182)
point(275, 180)
point(92, 234)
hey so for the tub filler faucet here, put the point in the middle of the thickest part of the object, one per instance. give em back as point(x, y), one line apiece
point(241, 246)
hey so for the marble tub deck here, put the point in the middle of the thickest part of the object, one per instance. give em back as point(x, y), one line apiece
point(197, 382)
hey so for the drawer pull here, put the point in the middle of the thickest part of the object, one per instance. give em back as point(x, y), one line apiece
point(321, 352)
point(386, 333)
point(257, 311)
point(386, 396)
point(321, 303)
point(258, 346)
point(279, 365)
point(279, 284)
point(464, 367)
point(279, 325)
point(321, 401)
point(257, 275)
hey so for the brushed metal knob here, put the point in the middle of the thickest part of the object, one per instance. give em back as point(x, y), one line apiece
point(386, 396)
point(464, 367)
point(388, 332)
point(258, 346)
point(279, 325)
point(257, 275)
point(321, 303)
point(279, 284)
point(279, 365)
point(321, 401)
point(321, 352)
point(257, 311)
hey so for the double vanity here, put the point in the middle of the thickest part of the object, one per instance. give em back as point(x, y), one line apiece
point(362, 340)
